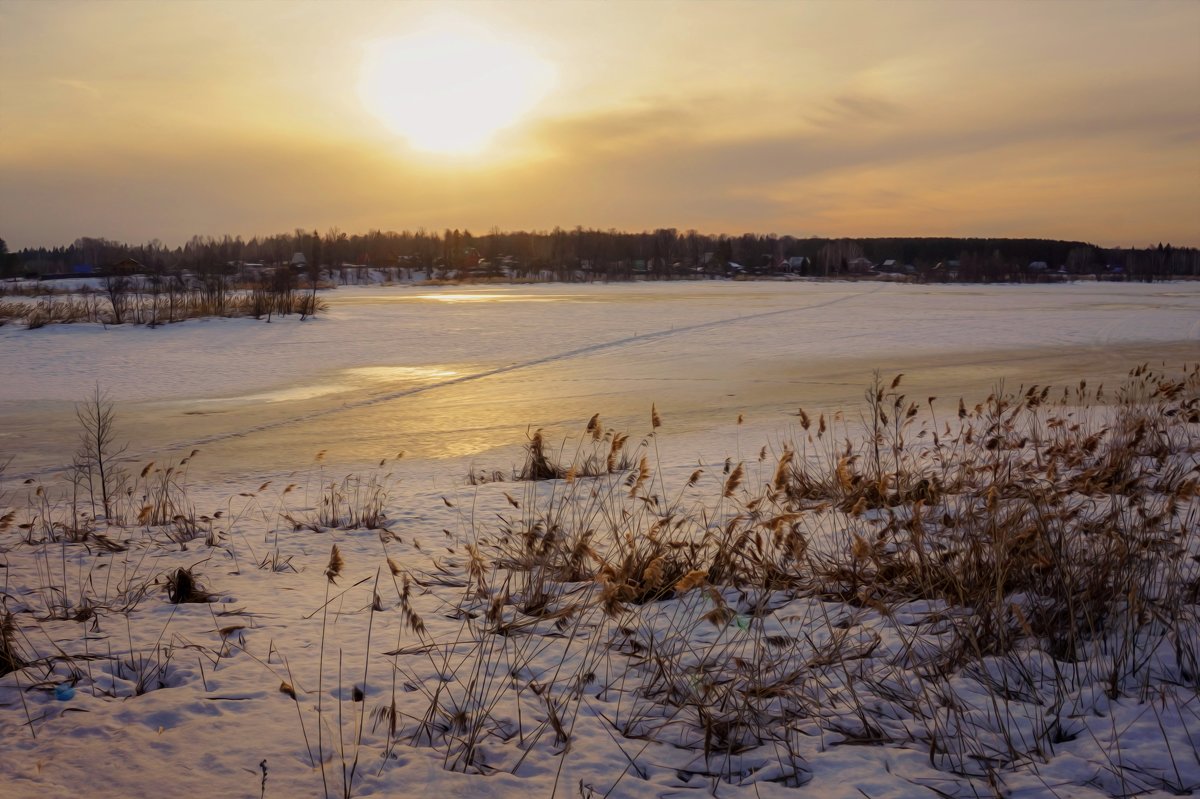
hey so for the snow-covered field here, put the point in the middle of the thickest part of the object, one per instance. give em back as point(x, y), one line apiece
point(127, 694)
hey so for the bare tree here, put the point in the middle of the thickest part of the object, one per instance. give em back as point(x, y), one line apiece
point(96, 460)
point(117, 287)
point(309, 307)
point(836, 254)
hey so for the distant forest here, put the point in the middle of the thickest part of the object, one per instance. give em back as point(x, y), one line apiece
point(585, 254)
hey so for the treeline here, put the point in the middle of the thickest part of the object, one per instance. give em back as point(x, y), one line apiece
point(584, 253)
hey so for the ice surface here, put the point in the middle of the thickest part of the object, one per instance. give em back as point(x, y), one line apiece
point(459, 372)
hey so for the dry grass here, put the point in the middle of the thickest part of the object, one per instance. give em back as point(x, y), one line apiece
point(986, 586)
point(143, 301)
point(184, 587)
point(1020, 553)
point(10, 657)
point(354, 502)
point(601, 451)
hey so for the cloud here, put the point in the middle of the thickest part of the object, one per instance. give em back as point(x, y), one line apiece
point(81, 86)
point(853, 108)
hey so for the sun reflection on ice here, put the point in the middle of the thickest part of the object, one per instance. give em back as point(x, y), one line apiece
point(401, 372)
point(345, 380)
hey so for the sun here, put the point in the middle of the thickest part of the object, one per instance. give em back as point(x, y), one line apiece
point(451, 86)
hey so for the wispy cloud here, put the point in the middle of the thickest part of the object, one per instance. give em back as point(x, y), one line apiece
point(80, 86)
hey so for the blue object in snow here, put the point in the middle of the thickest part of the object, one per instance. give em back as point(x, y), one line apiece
point(64, 691)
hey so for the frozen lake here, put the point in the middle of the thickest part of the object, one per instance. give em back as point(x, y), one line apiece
point(462, 373)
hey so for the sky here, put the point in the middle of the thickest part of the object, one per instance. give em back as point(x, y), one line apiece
point(142, 120)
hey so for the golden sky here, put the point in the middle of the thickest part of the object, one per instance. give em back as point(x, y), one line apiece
point(140, 120)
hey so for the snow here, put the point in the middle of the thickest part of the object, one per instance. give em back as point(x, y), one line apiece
point(455, 377)
point(508, 327)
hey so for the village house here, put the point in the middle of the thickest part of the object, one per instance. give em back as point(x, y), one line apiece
point(859, 266)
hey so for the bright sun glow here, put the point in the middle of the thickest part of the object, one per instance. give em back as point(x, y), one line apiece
point(449, 88)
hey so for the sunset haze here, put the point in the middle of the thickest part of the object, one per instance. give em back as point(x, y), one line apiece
point(136, 121)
